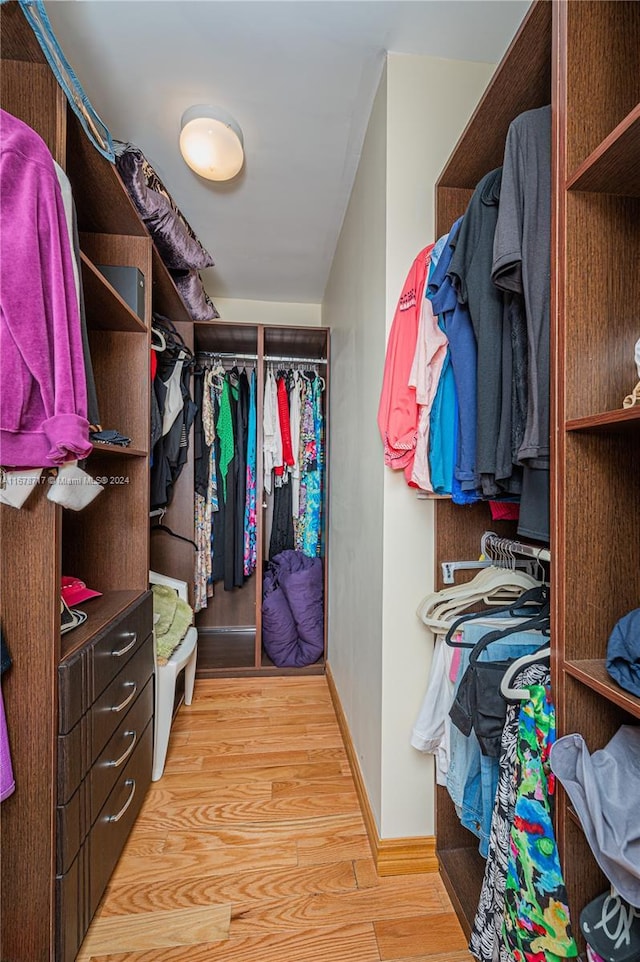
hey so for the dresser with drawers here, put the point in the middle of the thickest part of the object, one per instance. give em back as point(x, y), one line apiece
point(105, 750)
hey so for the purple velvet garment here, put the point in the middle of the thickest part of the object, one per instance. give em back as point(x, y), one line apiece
point(293, 610)
point(43, 392)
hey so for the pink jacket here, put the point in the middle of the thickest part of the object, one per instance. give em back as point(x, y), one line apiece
point(398, 408)
point(43, 395)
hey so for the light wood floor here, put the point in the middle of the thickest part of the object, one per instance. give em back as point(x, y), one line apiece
point(252, 848)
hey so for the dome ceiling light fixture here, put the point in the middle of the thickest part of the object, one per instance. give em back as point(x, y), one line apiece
point(211, 142)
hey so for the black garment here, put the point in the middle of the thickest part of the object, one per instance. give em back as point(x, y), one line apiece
point(218, 518)
point(242, 437)
point(282, 536)
point(170, 451)
point(479, 704)
point(201, 450)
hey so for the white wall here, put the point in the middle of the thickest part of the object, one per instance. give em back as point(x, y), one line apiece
point(267, 312)
point(381, 534)
point(354, 308)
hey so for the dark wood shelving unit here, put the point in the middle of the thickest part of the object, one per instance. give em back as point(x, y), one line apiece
point(624, 421)
point(100, 612)
point(106, 310)
point(593, 673)
point(583, 58)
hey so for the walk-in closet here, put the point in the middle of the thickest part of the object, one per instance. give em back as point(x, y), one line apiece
point(320, 605)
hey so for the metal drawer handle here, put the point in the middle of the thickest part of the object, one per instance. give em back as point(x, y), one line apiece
point(116, 818)
point(129, 698)
point(123, 651)
point(118, 761)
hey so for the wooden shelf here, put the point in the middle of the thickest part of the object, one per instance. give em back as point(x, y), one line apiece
point(623, 421)
point(100, 611)
point(462, 871)
point(593, 674)
point(106, 309)
point(109, 449)
point(102, 202)
point(614, 167)
point(165, 297)
point(521, 82)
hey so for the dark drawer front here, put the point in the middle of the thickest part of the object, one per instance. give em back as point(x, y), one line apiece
point(118, 815)
point(72, 827)
point(71, 907)
point(113, 649)
point(74, 758)
point(114, 703)
point(119, 749)
point(74, 697)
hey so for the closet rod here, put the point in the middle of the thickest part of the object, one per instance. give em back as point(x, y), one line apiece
point(493, 542)
point(228, 354)
point(295, 360)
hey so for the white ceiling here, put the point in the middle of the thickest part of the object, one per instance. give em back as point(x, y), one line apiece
point(299, 76)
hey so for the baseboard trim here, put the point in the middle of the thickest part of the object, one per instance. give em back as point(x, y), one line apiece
point(392, 856)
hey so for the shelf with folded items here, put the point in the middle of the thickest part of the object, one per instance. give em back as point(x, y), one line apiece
point(117, 449)
point(105, 308)
point(592, 672)
point(622, 421)
point(614, 166)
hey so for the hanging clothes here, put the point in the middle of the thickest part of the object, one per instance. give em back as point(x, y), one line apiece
point(43, 390)
point(250, 516)
point(536, 911)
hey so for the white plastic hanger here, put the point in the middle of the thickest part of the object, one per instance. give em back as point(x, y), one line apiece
point(162, 343)
point(493, 586)
point(516, 667)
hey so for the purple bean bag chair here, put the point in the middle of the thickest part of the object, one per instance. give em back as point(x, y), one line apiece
point(293, 610)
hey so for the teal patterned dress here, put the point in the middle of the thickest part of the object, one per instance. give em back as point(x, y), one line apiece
point(536, 925)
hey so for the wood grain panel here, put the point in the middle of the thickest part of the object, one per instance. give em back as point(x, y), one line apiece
point(603, 72)
point(602, 574)
point(593, 674)
point(614, 167)
point(521, 82)
point(30, 92)
point(28, 850)
point(105, 307)
point(602, 229)
point(18, 39)
point(165, 298)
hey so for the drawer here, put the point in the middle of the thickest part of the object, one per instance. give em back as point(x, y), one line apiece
point(71, 907)
point(72, 827)
point(118, 815)
point(73, 694)
point(74, 758)
point(119, 642)
point(115, 701)
point(119, 748)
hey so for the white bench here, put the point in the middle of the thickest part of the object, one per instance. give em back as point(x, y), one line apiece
point(184, 657)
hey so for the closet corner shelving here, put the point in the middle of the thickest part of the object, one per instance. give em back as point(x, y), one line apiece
point(583, 57)
point(45, 908)
point(230, 628)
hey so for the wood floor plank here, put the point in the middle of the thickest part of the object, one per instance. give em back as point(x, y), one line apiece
point(177, 813)
point(320, 829)
point(301, 787)
point(297, 741)
point(425, 935)
point(158, 930)
point(306, 771)
point(162, 795)
point(256, 885)
point(185, 865)
point(305, 912)
point(351, 943)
